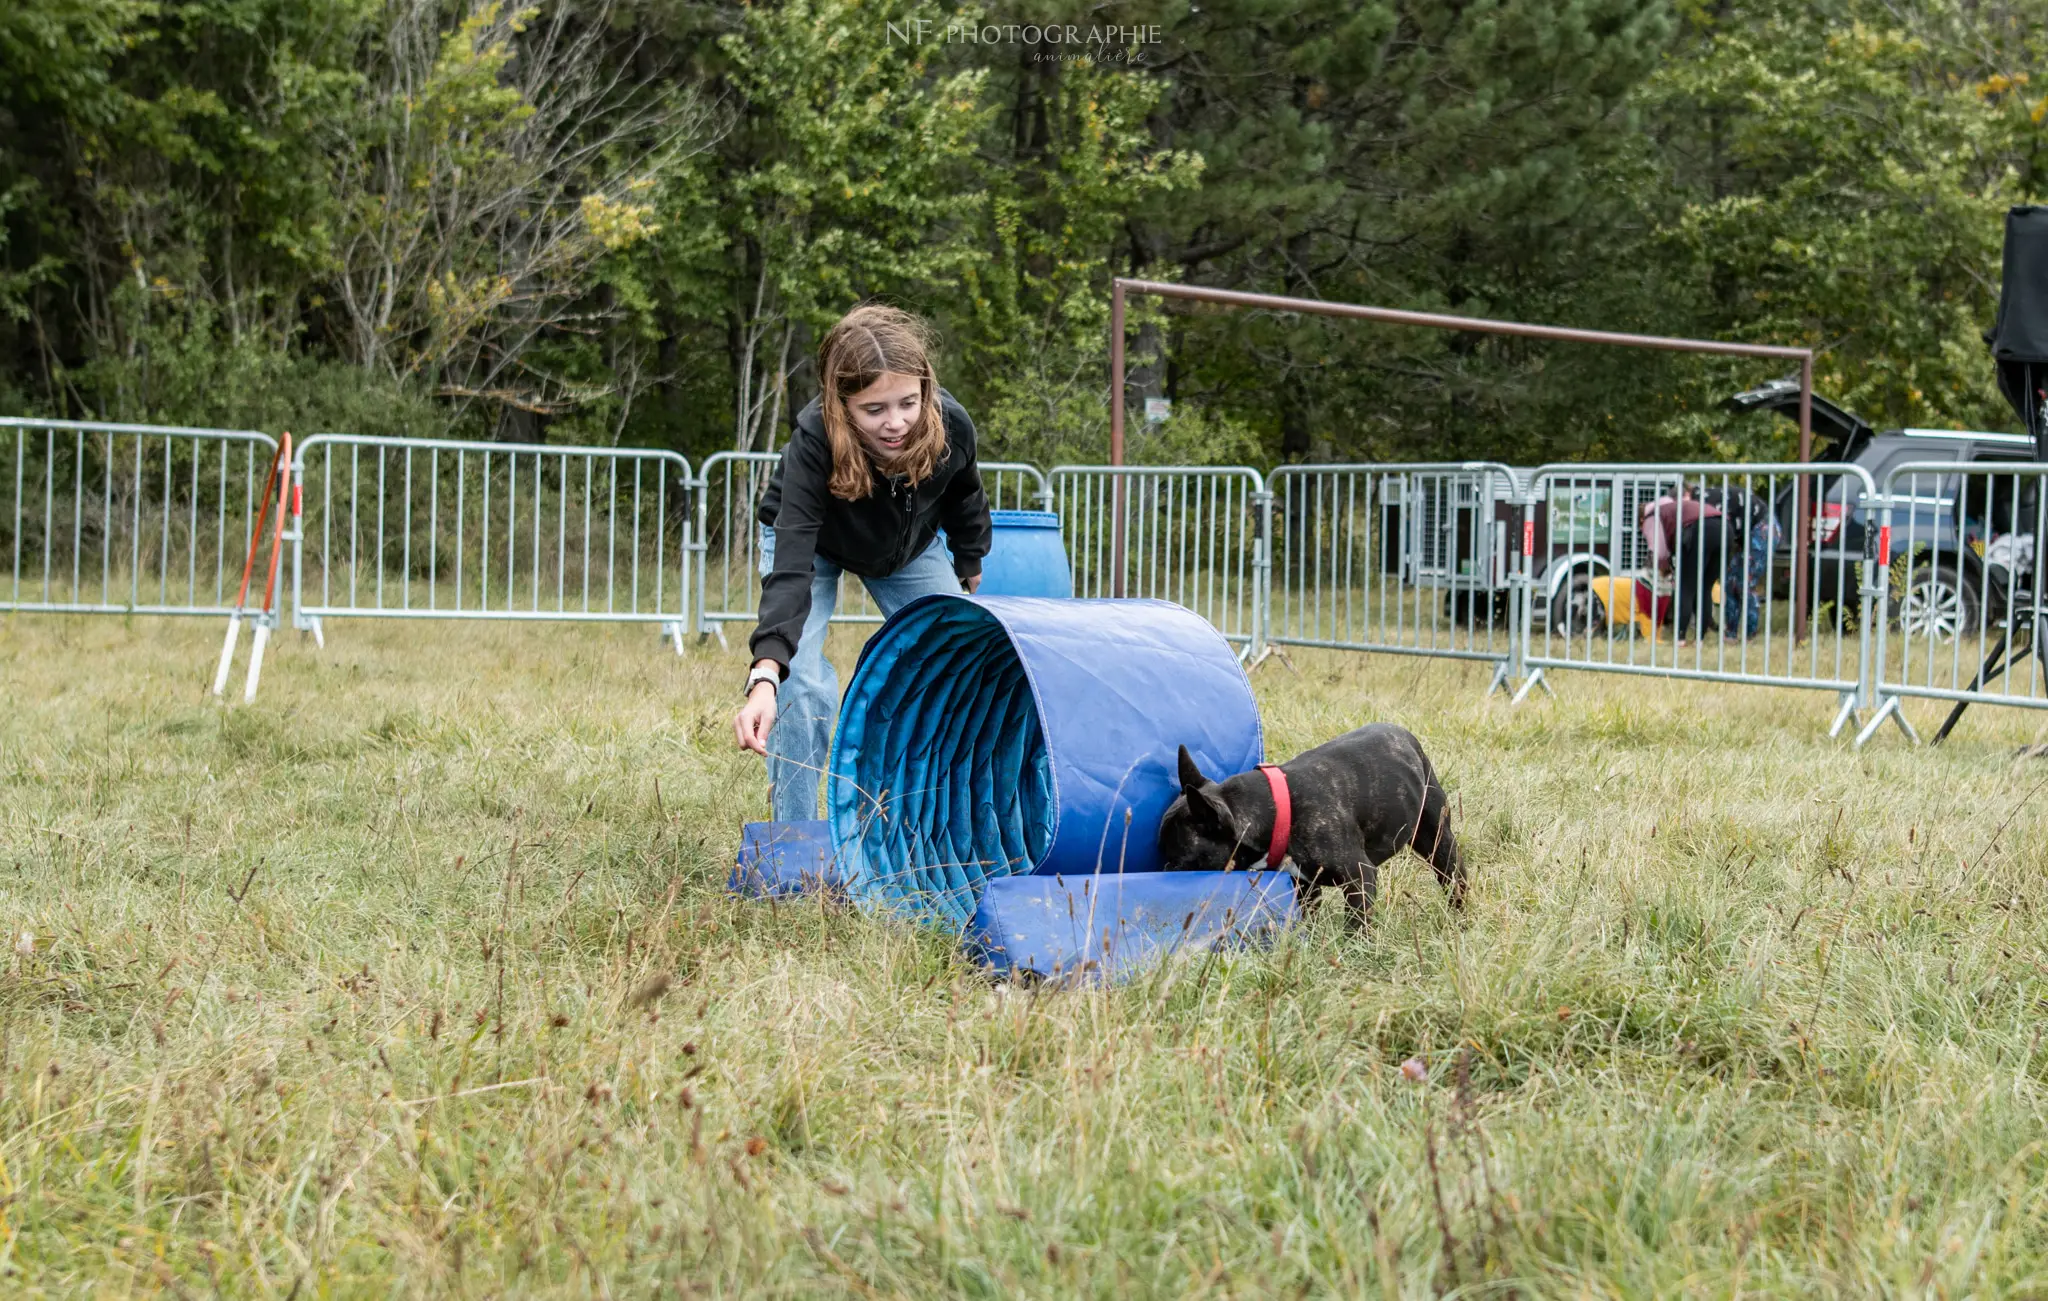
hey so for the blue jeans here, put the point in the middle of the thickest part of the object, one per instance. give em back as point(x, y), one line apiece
point(1743, 585)
point(808, 699)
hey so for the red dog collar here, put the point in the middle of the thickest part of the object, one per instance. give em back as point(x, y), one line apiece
point(1283, 815)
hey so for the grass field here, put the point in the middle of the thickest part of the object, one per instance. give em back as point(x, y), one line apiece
point(416, 979)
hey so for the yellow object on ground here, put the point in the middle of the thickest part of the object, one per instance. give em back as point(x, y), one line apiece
point(1619, 596)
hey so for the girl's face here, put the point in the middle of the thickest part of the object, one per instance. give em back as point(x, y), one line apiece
point(885, 413)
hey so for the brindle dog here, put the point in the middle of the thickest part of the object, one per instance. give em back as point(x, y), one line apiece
point(1356, 801)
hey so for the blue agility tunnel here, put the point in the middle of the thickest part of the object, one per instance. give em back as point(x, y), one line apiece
point(784, 858)
point(1076, 926)
point(986, 737)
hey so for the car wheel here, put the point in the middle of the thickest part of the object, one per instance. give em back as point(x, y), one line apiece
point(1934, 601)
point(1575, 611)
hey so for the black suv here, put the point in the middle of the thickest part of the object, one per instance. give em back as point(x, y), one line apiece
point(1937, 577)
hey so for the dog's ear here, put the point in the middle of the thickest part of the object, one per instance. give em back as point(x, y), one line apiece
point(1205, 807)
point(1212, 814)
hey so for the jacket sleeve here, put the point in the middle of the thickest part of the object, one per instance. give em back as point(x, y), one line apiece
point(963, 509)
point(1654, 535)
point(805, 476)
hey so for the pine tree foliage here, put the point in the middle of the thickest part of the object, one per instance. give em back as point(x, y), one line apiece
point(631, 219)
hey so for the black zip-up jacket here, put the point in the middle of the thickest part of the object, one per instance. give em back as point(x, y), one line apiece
point(874, 536)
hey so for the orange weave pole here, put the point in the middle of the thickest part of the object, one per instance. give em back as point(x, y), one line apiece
point(281, 465)
point(281, 473)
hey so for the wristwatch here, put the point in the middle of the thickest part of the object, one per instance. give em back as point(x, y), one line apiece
point(769, 673)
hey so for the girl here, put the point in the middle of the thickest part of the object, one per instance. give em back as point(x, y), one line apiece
point(875, 466)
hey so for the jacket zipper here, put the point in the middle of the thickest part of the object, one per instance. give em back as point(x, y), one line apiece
point(909, 517)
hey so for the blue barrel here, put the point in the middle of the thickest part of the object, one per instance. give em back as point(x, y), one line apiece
point(1026, 556)
point(984, 737)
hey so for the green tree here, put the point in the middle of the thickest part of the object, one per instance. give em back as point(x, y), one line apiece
point(846, 176)
point(499, 165)
point(1843, 169)
point(164, 175)
point(1032, 320)
point(1450, 156)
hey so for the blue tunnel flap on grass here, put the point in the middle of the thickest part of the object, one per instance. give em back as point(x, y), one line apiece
point(986, 737)
point(784, 858)
point(1116, 925)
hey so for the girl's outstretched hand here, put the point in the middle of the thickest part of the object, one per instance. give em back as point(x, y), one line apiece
point(756, 718)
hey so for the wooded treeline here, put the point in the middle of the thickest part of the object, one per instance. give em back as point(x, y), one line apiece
point(629, 220)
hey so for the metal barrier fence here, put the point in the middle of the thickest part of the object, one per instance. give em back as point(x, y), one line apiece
point(1405, 559)
point(730, 485)
point(435, 529)
point(1961, 549)
point(1928, 590)
point(114, 518)
point(1714, 598)
point(1194, 535)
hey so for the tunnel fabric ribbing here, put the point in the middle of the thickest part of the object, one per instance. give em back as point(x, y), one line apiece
point(991, 736)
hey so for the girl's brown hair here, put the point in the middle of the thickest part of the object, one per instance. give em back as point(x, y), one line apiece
point(870, 341)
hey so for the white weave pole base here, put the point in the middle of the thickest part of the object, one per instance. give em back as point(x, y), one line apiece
point(256, 662)
point(227, 653)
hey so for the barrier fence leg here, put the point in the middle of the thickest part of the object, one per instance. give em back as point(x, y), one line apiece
point(1521, 615)
point(1262, 572)
point(1854, 703)
point(1888, 709)
point(1262, 647)
point(700, 543)
point(1845, 715)
point(1271, 652)
point(1877, 631)
point(297, 537)
point(1512, 668)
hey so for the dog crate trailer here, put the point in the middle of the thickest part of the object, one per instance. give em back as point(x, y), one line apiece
point(1458, 532)
point(1449, 531)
